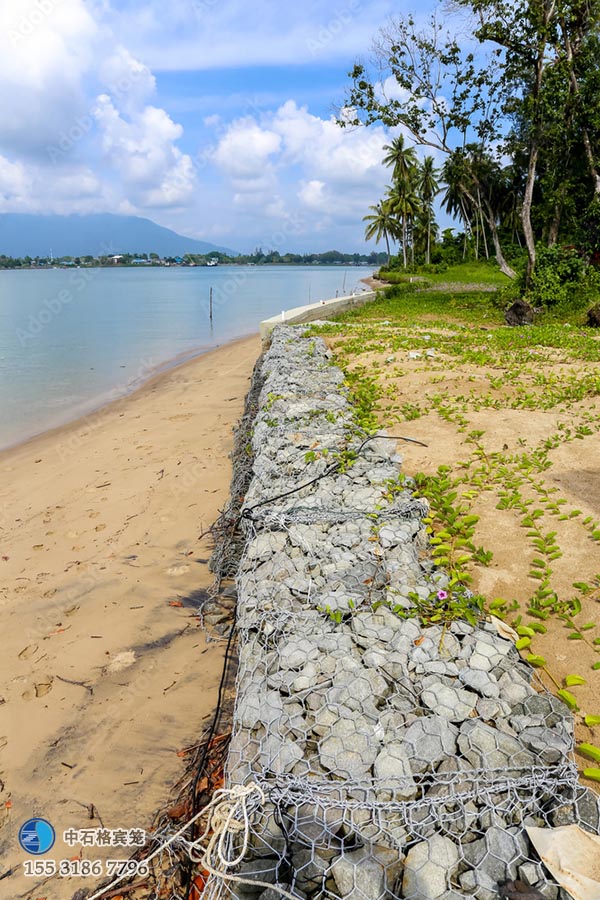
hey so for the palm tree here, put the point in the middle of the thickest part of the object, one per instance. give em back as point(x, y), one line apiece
point(404, 203)
point(403, 159)
point(428, 190)
point(402, 196)
point(382, 224)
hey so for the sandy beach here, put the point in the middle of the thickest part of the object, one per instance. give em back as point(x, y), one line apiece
point(105, 673)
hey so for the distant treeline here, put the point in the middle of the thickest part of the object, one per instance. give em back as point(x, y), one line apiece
point(258, 258)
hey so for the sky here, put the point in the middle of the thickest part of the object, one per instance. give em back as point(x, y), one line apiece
point(212, 117)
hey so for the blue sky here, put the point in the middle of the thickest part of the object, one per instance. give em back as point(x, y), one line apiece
point(213, 118)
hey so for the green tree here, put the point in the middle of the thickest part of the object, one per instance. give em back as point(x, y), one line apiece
point(381, 224)
point(428, 188)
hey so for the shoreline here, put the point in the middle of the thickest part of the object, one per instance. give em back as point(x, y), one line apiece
point(106, 674)
point(103, 402)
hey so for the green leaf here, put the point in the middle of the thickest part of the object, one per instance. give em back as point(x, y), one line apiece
point(573, 680)
point(592, 774)
point(590, 751)
point(592, 721)
point(497, 603)
point(536, 661)
point(575, 636)
point(523, 643)
point(588, 626)
point(568, 698)
point(596, 666)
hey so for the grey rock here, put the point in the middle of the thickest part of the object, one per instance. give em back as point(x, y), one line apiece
point(358, 876)
point(428, 741)
point(498, 854)
point(350, 749)
point(547, 745)
point(531, 873)
point(259, 870)
point(514, 689)
point(274, 894)
point(428, 868)
point(392, 766)
point(280, 755)
point(549, 709)
point(480, 681)
point(452, 703)
point(487, 748)
point(479, 884)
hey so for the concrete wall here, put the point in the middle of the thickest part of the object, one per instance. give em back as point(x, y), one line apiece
point(313, 311)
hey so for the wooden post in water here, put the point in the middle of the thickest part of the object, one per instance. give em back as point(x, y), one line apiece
point(210, 306)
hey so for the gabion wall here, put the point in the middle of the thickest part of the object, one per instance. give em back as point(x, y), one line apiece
point(397, 761)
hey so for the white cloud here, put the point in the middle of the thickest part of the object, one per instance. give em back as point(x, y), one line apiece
point(127, 79)
point(75, 98)
point(328, 174)
point(244, 153)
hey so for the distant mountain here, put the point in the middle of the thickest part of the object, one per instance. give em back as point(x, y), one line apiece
point(95, 235)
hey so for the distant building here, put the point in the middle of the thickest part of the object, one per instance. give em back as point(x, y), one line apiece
point(115, 259)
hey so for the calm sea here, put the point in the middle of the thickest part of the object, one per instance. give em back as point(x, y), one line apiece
point(71, 340)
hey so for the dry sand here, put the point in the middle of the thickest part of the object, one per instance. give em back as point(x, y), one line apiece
point(104, 672)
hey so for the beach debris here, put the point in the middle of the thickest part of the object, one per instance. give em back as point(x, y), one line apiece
point(178, 570)
point(573, 857)
point(121, 661)
point(77, 683)
point(28, 651)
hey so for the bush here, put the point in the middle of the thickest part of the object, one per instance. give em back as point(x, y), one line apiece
point(561, 278)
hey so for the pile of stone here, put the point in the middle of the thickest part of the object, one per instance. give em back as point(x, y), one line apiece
point(397, 761)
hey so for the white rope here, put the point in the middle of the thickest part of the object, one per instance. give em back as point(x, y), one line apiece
point(228, 814)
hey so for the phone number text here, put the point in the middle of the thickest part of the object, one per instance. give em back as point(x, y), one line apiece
point(84, 868)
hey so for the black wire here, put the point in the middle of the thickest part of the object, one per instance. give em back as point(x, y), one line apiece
point(204, 758)
point(247, 512)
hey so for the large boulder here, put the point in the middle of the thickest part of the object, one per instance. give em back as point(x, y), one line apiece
point(520, 313)
point(593, 316)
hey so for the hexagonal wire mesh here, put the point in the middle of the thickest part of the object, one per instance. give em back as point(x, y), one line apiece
point(396, 761)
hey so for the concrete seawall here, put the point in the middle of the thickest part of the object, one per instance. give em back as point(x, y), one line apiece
point(313, 311)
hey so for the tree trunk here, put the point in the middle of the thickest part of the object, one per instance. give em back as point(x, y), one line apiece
point(428, 239)
point(555, 225)
point(387, 244)
point(404, 240)
point(490, 218)
point(526, 210)
point(485, 243)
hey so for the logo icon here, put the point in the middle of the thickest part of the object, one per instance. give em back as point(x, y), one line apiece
point(36, 836)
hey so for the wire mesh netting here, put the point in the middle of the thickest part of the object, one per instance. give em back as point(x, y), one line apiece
point(396, 760)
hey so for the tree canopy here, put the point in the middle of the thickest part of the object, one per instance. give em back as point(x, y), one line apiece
point(511, 101)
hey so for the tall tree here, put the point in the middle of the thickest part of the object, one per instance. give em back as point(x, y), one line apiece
point(531, 89)
point(428, 188)
point(381, 224)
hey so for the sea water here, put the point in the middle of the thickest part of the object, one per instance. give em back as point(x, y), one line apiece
point(74, 339)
